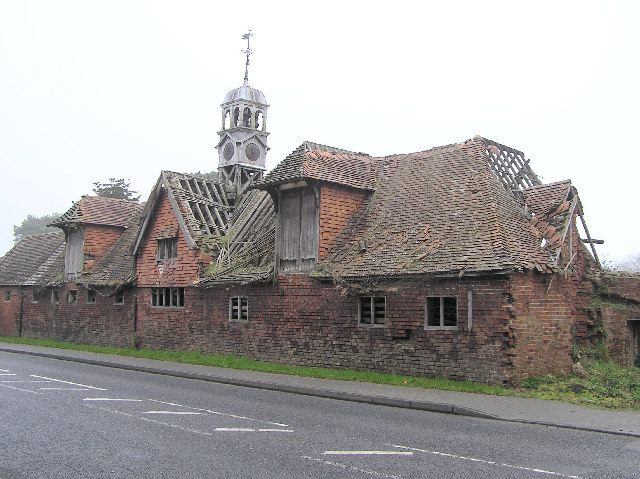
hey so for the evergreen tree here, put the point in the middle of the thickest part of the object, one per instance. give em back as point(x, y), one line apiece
point(115, 188)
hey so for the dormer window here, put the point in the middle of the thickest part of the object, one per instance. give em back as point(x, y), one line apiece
point(167, 249)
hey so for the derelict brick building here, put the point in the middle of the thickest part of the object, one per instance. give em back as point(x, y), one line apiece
point(454, 262)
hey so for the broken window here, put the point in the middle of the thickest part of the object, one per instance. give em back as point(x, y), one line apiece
point(167, 249)
point(441, 312)
point(7, 295)
point(118, 297)
point(167, 297)
point(91, 296)
point(55, 296)
point(35, 296)
point(238, 309)
point(372, 310)
point(72, 296)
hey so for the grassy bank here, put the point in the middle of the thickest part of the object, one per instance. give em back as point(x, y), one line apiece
point(601, 384)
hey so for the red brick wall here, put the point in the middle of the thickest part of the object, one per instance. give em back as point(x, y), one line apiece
point(181, 272)
point(9, 312)
point(304, 322)
point(99, 323)
point(337, 204)
point(97, 240)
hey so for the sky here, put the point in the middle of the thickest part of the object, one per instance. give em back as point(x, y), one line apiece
point(92, 90)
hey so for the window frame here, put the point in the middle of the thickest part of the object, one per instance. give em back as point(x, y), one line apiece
point(167, 249)
point(35, 297)
point(373, 319)
point(161, 294)
point(241, 306)
point(55, 296)
point(7, 295)
point(72, 296)
point(442, 314)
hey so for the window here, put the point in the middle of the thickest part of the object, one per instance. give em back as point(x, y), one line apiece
point(91, 296)
point(167, 297)
point(7, 295)
point(372, 310)
point(118, 297)
point(238, 309)
point(55, 296)
point(167, 249)
point(441, 312)
point(72, 296)
point(35, 296)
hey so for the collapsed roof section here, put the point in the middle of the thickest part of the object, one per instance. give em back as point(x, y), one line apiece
point(34, 261)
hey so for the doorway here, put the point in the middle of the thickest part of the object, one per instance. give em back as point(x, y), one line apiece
point(634, 350)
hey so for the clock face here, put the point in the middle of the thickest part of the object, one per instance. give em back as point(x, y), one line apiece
point(252, 151)
point(227, 153)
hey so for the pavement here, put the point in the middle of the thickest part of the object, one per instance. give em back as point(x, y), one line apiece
point(503, 408)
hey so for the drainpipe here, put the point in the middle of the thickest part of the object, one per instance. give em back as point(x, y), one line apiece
point(135, 314)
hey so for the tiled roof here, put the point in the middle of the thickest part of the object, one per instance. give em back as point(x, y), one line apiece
point(97, 210)
point(543, 198)
point(440, 211)
point(117, 265)
point(312, 161)
point(34, 261)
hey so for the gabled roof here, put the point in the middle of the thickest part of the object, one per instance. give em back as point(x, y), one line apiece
point(443, 211)
point(34, 261)
point(542, 198)
point(202, 206)
point(97, 210)
point(312, 161)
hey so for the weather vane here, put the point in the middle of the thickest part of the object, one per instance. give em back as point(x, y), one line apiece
point(247, 36)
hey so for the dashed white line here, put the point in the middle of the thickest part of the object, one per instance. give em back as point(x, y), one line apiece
point(173, 412)
point(7, 374)
point(19, 389)
point(367, 453)
point(275, 430)
point(484, 461)
point(62, 389)
point(219, 413)
point(68, 382)
point(235, 429)
point(112, 399)
point(352, 468)
point(161, 423)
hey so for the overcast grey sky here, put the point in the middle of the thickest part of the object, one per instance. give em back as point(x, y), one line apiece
point(96, 89)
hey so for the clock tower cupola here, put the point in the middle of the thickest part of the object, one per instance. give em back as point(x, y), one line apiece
point(242, 148)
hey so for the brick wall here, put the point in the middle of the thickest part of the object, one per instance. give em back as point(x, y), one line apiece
point(337, 204)
point(304, 322)
point(180, 272)
point(100, 323)
point(97, 239)
point(9, 311)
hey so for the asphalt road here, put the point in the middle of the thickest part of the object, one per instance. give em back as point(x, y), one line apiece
point(61, 419)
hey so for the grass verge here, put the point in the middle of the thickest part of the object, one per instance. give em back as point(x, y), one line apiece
point(604, 384)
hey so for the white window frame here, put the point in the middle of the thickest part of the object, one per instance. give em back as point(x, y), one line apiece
point(239, 309)
point(72, 296)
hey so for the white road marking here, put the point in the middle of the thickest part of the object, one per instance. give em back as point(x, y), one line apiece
point(367, 453)
point(19, 389)
point(4, 370)
point(112, 399)
point(172, 412)
point(68, 382)
point(219, 413)
point(61, 389)
point(161, 423)
point(22, 381)
point(7, 374)
point(235, 429)
point(351, 468)
point(484, 461)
